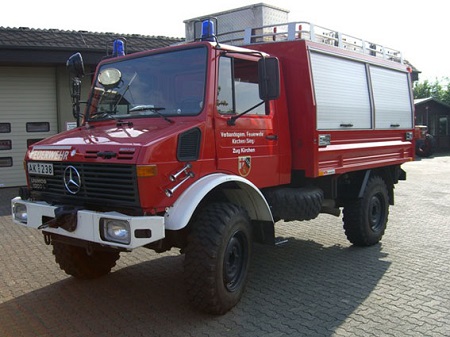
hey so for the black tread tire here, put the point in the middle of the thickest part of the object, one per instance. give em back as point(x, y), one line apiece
point(76, 262)
point(220, 233)
point(365, 219)
point(295, 203)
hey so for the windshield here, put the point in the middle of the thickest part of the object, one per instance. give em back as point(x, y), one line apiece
point(167, 84)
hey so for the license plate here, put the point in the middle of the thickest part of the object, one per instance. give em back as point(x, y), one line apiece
point(45, 169)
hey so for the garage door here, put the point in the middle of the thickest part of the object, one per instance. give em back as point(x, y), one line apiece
point(27, 114)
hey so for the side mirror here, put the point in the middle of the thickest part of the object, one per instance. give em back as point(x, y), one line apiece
point(75, 65)
point(269, 78)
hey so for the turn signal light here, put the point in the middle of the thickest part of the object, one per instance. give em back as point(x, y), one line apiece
point(146, 171)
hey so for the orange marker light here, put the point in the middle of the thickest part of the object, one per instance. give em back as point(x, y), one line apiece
point(146, 171)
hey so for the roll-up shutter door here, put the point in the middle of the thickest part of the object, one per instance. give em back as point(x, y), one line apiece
point(342, 93)
point(28, 112)
point(392, 98)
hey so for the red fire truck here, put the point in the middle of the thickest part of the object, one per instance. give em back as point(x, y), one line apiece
point(204, 146)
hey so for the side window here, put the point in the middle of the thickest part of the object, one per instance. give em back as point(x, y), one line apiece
point(238, 87)
point(225, 88)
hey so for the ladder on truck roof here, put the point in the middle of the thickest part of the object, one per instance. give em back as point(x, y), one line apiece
point(308, 31)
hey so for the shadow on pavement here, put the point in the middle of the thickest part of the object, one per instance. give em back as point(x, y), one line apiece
point(6, 194)
point(293, 290)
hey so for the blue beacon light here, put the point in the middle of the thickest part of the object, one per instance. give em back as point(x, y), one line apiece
point(208, 31)
point(118, 48)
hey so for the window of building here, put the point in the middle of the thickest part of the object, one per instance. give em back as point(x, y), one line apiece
point(38, 127)
point(6, 161)
point(5, 144)
point(32, 141)
point(443, 126)
point(5, 127)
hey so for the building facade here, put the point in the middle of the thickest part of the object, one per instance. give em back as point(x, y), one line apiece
point(436, 116)
point(35, 87)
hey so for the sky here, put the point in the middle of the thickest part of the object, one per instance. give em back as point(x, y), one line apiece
point(418, 31)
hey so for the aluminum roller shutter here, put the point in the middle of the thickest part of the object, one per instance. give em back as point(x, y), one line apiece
point(341, 92)
point(392, 99)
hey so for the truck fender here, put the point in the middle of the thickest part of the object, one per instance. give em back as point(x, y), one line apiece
point(247, 195)
point(388, 176)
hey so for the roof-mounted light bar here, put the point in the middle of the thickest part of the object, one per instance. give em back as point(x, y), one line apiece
point(118, 48)
point(208, 31)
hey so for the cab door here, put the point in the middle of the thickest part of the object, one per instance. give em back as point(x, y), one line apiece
point(245, 126)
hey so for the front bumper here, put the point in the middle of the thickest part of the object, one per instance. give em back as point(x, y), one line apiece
point(142, 229)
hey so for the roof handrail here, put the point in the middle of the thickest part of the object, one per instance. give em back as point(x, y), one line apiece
point(305, 30)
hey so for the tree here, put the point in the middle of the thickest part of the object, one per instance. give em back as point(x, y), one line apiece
point(439, 89)
point(446, 94)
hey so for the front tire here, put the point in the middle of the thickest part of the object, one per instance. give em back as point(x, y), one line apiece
point(75, 261)
point(365, 219)
point(217, 257)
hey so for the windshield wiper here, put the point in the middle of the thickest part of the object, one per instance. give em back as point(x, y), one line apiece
point(125, 91)
point(152, 108)
point(101, 114)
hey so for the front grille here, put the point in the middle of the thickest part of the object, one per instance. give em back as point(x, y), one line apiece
point(103, 185)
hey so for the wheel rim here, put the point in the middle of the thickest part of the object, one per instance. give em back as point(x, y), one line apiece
point(235, 261)
point(376, 213)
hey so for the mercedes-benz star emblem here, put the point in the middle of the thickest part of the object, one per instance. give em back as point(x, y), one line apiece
point(72, 179)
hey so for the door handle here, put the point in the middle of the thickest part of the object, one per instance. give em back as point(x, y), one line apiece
point(272, 137)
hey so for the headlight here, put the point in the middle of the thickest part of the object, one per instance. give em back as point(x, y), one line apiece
point(115, 230)
point(19, 212)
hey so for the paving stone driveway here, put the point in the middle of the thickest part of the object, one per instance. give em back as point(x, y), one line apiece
point(315, 285)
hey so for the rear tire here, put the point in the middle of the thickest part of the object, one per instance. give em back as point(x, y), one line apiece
point(365, 219)
point(76, 262)
point(217, 257)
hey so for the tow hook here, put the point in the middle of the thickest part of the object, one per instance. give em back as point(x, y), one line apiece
point(65, 217)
